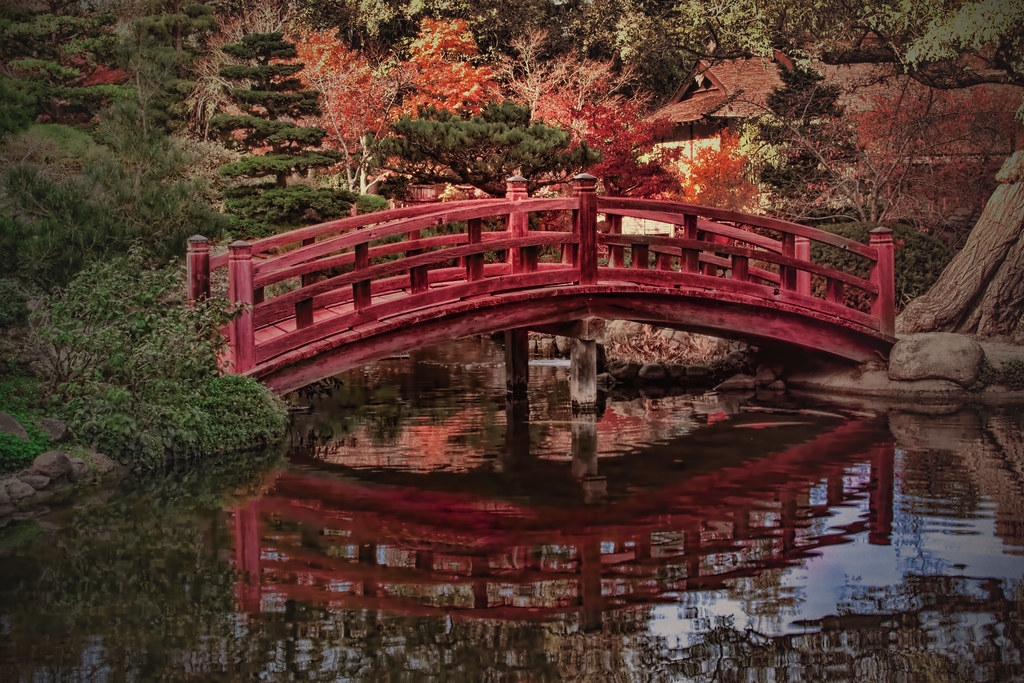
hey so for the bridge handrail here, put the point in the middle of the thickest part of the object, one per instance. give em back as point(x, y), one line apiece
point(265, 245)
point(670, 212)
point(735, 249)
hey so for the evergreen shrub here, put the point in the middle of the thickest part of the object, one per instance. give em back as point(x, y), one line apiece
point(918, 260)
point(133, 370)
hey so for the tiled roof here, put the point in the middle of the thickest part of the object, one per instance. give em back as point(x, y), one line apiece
point(732, 88)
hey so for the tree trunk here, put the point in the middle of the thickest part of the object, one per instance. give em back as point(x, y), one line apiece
point(981, 291)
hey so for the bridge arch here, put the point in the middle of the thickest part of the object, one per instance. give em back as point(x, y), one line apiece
point(369, 286)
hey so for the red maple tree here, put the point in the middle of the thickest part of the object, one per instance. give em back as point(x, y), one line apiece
point(442, 69)
point(357, 100)
point(718, 176)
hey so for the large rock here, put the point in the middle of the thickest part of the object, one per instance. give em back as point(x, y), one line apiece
point(8, 425)
point(36, 481)
point(623, 371)
point(55, 430)
point(738, 382)
point(19, 490)
point(79, 471)
point(936, 355)
point(53, 464)
point(652, 372)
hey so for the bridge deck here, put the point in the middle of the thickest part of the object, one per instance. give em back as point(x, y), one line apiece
point(324, 298)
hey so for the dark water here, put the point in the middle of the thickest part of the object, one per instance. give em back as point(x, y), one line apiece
point(410, 535)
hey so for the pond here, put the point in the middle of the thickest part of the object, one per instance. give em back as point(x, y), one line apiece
point(411, 532)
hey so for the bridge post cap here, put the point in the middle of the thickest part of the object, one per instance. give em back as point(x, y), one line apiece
point(584, 177)
point(516, 179)
point(197, 239)
point(881, 235)
point(240, 247)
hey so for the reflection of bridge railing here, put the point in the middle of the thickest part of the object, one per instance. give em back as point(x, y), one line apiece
point(360, 289)
point(356, 545)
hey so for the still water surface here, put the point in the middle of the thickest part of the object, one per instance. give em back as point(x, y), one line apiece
point(411, 533)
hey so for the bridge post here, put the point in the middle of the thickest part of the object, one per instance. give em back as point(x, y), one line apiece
point(517, 363)
point(883, 274)
point(585, 227)
point(518, 223)
point(242, 340)
point(802, 250)
point(198, 260)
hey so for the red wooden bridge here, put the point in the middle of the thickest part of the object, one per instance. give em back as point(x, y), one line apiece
point(321, 299)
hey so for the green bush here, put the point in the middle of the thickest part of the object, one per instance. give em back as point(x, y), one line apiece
point(919, 259)
point(133, 370)
point(368, 203)
point(13, 304)
point(16, 453)
point(16, 393)
point(239, 412)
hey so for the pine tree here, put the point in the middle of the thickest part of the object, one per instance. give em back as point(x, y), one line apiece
point(159, 51)
point(484, 150)
point(49, 59)
point(272, 100)
point(808, 136)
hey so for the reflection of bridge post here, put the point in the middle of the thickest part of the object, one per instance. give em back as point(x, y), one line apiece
point(880, 505)
point(247, 557)
point(479, 568)
point(590, 582)
point(787, 518)
point(368, 555)
point(584, 457)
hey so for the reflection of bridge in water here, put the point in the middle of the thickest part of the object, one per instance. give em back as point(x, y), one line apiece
point(359, 544)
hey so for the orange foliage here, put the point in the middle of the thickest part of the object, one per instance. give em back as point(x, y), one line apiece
point(718, 177)
point(355, 101)
point(443, 74)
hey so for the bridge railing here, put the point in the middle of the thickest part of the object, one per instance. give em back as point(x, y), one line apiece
point(305, 285)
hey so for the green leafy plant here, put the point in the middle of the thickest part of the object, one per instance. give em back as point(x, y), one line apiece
point(133, 370)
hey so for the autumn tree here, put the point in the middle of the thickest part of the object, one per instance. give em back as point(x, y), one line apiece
point(442, 70)
point(357, 101)
point(484, 150)
point(719, 175)
point(272, 101)
point(630, 163)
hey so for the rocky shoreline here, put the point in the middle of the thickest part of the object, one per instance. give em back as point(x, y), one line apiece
point(52, 475)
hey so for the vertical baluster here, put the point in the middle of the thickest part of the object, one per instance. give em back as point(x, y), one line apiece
point(585, 186)
point(836, 291)
point(641, 256)
point(883, 306)
point(616, 253)
point(475, 262)
point(518, 223)
point(690, 262)
point(802, 250)
point(740, 268)
point(361, 288)
point(787, 274)
point(198, 261)
point(240, 279)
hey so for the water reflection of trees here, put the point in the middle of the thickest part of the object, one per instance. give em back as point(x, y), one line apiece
point(142, 588)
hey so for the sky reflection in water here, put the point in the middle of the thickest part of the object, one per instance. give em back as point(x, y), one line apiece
point(412, 536)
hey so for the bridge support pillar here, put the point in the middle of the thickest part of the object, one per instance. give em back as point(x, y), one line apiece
point(517, 363)
point(583, 376)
